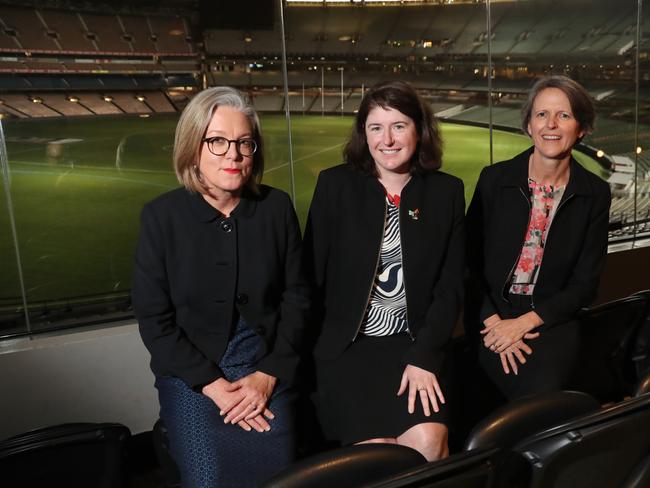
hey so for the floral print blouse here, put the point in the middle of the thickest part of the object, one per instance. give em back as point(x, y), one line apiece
point(545, 200)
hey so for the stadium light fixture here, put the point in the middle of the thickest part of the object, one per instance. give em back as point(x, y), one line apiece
point(107, 98)
point(140, 98)
point(36, 100)
point(73, 99)
point(248, 38)
point(600, 153)
point(638, 149)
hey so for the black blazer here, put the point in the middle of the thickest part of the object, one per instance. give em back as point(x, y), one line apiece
point(342, 245)
point(574, 253)
point(194, 269)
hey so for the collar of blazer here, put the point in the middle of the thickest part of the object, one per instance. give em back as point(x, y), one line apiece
point(207, 213)
point(579, 183)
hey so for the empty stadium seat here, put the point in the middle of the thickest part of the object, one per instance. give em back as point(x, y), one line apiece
point(600, 450)
point(347, 467)
point(72, 455)
point(604, 367)
point(529, 415)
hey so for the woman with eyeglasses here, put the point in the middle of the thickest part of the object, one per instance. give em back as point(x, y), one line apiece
point(220, 299)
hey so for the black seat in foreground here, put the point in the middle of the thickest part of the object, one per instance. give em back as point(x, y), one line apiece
point(529, 415)
point(605, 367)
point(70, 455)
point(472, 469)
point(350, 466)
point(610, 448)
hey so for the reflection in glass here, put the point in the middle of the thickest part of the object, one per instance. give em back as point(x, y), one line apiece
point(83, 162)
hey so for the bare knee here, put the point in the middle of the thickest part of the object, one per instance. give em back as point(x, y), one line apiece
point(429, 439)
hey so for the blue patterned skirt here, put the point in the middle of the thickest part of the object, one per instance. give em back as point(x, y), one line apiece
point(212, 454)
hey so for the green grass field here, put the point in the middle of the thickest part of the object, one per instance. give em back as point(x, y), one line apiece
point(78, 185)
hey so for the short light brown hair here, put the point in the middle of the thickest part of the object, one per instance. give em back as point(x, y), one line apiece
point(192, 126)
point(582, 105)
point(400, 96)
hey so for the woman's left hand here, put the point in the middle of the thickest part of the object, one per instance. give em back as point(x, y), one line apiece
point(424, 384)
point(501, 334)
point(256, 388)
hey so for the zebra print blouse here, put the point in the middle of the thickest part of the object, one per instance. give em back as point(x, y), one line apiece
point(386, 310)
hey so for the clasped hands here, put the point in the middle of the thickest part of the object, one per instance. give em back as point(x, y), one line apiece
point(424, 384)
point(243, 402)
point(506, 338)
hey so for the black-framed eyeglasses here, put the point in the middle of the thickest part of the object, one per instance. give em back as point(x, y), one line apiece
point(220, 145)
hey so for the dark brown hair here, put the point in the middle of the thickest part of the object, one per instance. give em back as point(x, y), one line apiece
point(582, 105)
point(401, 96)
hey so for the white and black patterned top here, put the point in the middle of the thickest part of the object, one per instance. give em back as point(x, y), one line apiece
point(386, 311)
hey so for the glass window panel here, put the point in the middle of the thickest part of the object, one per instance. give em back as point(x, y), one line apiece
point(12, 316)
point(78, 185)
point(336, 52)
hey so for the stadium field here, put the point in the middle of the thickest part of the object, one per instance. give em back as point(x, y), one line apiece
point(78, 184)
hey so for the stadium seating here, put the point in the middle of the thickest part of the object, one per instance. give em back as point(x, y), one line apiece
point(600, 450)
point(526, 416)
point(605, 366)
point(72, 455)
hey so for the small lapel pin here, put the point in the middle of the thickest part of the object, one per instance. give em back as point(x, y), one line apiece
point(414, 214)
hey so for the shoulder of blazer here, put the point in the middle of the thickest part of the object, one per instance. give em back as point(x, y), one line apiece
point(446, 180)
point(583, 181)
point(511, 172)
point(172, 197)
point(341, 173)
point(172, 202)
point(269, 199)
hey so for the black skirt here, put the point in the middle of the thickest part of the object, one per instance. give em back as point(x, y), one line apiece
point(357, 398)
point(548, 368)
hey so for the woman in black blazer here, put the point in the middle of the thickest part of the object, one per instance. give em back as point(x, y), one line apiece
point(537, 234)
point(384, 242)
point(220, 299)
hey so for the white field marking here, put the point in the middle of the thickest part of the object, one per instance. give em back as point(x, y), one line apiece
point(304, 157)
point(99, 177)
point(61, 176)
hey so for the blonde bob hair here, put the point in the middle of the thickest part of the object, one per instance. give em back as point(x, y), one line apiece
point(192, 126)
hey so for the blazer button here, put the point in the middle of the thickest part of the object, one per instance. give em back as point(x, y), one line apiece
point(260, 329)
point(226, 226)
point(242, 299)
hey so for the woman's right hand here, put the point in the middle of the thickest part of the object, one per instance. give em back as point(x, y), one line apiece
point(512, 354)
point(226, 395)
